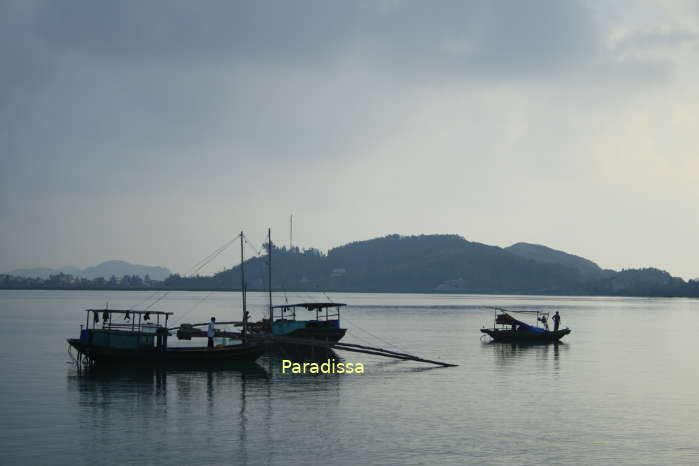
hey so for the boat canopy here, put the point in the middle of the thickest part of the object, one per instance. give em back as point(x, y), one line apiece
point(126, 311)
point(518, 311)
point(506, 319)
point(288, 311)
point(310, 306)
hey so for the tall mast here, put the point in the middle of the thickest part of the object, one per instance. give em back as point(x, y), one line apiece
point(242, 286)
point(291, 231)
point(269, 277)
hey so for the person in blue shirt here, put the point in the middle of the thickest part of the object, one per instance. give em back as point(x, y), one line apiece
point(556, 321)
point(211, 331)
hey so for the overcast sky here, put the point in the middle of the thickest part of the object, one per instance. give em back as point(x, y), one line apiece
point(154, 131)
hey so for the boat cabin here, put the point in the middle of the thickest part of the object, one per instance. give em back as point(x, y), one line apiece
point(125, 329)
point(327, 316)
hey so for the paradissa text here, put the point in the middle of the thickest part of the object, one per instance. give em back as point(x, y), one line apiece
point(328, 367)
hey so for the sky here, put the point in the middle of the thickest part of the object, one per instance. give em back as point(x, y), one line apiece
point(155, 131)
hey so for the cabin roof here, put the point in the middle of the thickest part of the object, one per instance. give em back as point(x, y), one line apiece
point(310, 306)
point(519, 311)
point(124, 311)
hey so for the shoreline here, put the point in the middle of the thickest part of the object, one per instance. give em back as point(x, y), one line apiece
point(421, 292)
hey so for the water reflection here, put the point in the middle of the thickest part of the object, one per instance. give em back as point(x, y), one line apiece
point(640, 403)
point(237, 410)
point(303, 354)
point(510, 354)
point(150, 389)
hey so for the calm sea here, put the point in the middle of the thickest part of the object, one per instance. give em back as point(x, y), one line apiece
point(622, 390)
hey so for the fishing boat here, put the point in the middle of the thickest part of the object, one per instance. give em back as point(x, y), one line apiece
point(508, 329)
point(135, 341)
point(282, 326)
point(140, 338)
point(325, 327)
point(305, 340)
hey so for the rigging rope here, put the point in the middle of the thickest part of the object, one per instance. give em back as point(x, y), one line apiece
point(252, 246)
point(195, 268)
point(375, 336)
point(193, 308)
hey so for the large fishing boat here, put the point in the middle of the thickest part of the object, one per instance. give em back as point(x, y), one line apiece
point(140, 338)
point(137, 341)
point(508, 329)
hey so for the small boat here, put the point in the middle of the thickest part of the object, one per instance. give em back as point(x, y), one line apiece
point(139, 342)
point(512, 330)
point(325, 327)
point(282, 327)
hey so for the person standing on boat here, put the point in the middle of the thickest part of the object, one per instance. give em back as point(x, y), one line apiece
point(556, 321)
point(211, 331)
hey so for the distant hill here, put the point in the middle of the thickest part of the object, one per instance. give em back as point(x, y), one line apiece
point(587, 268)
point(429, 263)
point(644, 282)
point(394, 263)
point(105, 269)
point(422, 263)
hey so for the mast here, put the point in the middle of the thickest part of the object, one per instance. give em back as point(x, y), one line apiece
point(291, 232)
point(269, 275)
point(242, 287)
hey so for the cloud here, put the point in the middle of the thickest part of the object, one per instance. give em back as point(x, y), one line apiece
point(659, 37)
point(182, 31)
point(452, 108)
point(303, 78)
point(471, 37)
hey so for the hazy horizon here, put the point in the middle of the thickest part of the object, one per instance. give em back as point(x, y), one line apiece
point(154, 132)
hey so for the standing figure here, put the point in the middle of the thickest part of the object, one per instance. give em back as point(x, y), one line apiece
point(211, 331)
point(544, 321)
point(556, 321)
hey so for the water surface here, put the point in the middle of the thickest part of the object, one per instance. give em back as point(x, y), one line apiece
point(621, 390)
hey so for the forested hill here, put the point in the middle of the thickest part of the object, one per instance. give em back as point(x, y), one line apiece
point(426, 263)
point(433, 263)
point(587, 268)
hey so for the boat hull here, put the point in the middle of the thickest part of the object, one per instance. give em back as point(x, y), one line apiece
point(190, 357)
point(521, 336)
point(303, 349)
point(330, 335)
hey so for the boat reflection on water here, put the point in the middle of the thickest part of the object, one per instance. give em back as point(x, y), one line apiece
point(97, 375)
point(297, 353)
point(511, 354)
point(233, 412)
point(97, 387)
point(159, 404)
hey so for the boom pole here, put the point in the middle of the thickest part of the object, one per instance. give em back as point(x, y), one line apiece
point(242, 286)
point(269, 276)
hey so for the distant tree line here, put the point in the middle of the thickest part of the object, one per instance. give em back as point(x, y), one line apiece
point(426, 263)
point(62, 281)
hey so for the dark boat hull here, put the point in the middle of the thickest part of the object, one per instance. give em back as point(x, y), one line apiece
point(330, 335)
point(303, 349)
point(522, 336)
point(189, 357)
